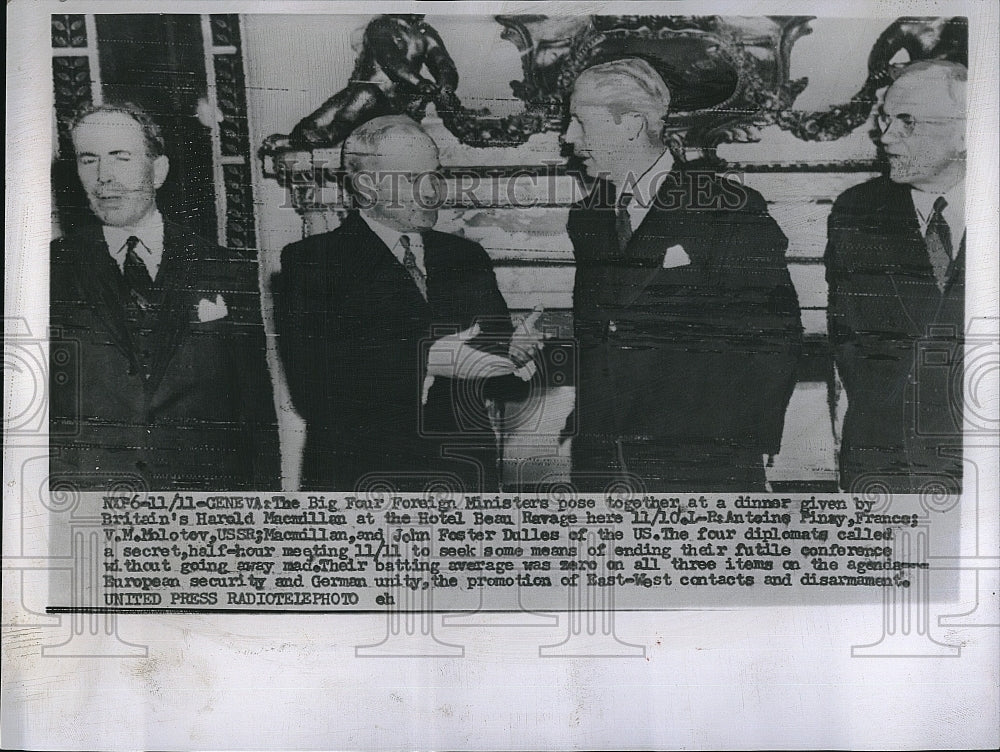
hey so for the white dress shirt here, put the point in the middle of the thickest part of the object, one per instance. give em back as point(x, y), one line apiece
point(391, 236)
point(149, 230)
point(954, 212)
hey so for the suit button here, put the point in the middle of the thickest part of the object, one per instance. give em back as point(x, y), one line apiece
point(140, 465)
point(612, 327)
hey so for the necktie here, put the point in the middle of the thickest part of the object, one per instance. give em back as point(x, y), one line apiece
point(410, 264)
point(136, 275)
point(938, 240)
point(623, 222)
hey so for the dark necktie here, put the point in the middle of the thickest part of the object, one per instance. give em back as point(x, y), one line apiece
point(623, 223)
point(938, 240)
point(136, 275)
point(410, 264)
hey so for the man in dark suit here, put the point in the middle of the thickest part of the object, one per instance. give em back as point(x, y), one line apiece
point(390, 332)
point(161, 331)
point(687, 321)
point(895, 264)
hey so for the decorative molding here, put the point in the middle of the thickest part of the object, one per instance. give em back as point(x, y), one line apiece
point(842, 166)
point(69, 30)
point(240, 233)
point(72, 89)
point(932, 38)
point(729, 77)
point(722, 92)
point(725, 74)
point(231, 100)
point(225, 29)
point(233, 157)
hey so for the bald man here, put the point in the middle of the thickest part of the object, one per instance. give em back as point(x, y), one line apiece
point(389, 331)
point(895, 263)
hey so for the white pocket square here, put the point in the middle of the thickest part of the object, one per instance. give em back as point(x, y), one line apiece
point(209, 311)
point(675, 256)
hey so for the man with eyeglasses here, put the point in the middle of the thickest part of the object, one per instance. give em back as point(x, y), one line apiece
point(895, 263)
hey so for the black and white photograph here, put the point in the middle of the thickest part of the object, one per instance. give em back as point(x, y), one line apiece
point(649, 350)
point(726, 315)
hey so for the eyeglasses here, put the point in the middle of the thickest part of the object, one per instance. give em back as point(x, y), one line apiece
point(907, 123)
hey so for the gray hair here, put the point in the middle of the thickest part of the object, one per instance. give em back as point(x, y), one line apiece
point(629, 84)
point(151, 133)
point(954, 75)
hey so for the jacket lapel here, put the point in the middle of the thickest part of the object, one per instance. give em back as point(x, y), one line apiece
point(956, 269)
point(656, 233)
point(367, 251)
point(175, 281)
point(910, 271)
point(377, 262)
point(592, 220)
point(443, 278)
point(103, 287)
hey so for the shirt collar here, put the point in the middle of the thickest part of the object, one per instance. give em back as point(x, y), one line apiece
point(149, 230)
point(390, 236)
point(954, 212)
point(644, 188)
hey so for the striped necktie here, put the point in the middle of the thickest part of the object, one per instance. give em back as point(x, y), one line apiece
point(623, 222)
point(136, 275)
point(410, 264)
point(938, 240)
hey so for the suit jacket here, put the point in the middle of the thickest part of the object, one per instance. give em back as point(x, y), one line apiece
point(685, 372)
point(155, 398)
point(898, 343)
point(353, 334)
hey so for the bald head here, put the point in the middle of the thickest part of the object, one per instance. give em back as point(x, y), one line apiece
point(390, 142)
point(942, 75)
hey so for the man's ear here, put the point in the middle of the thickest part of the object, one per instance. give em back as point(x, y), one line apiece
point(161, 167)
point(363, 189)
point(634, 123)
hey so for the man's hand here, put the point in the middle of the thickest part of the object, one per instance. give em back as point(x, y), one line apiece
point(452, 357)
point(527, 340)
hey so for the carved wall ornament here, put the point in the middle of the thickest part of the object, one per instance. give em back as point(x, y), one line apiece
point(387, 80)
point(729, 77)
point(921, 38)
point(69, 30)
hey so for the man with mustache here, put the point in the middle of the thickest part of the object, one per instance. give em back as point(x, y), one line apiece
point(161, 329)
point(895, 263)
point(686, 318)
